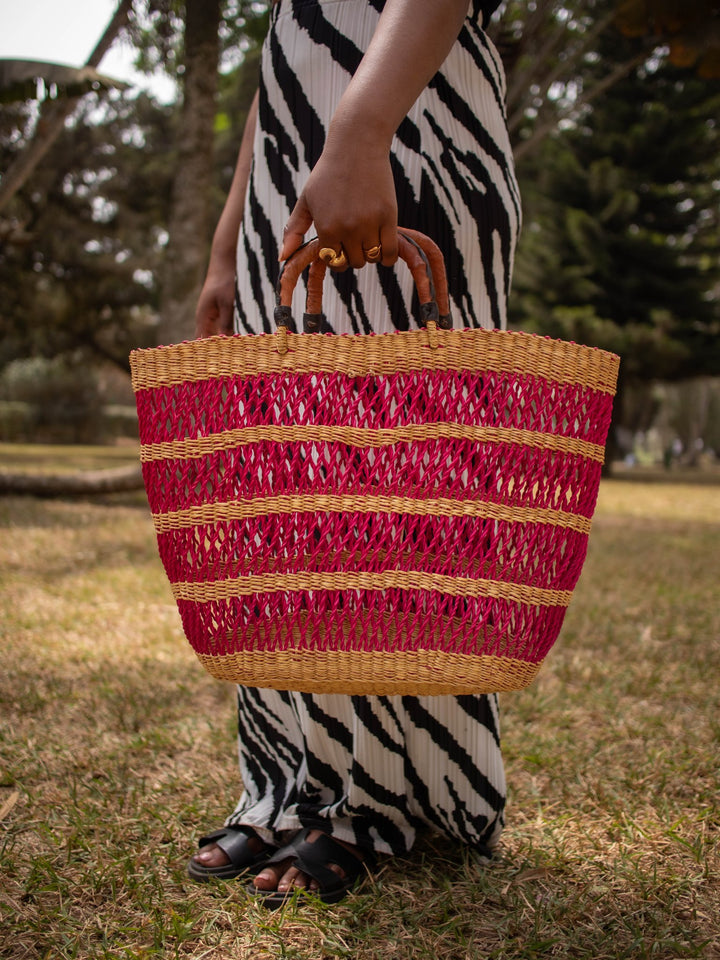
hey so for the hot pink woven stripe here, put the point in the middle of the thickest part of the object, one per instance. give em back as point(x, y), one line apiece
point(206, 407)
point(536, 555)
point(392, 620)
point(502, 473)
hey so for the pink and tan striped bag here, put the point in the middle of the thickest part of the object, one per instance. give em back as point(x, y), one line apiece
point(403, 513)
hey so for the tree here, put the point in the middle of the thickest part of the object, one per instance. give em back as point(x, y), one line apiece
point(89, 254)
point(621, 242)
point(28, 79)
point(210, 29)
point(189, 225)
point(621, 246)
point(81, 261)
point(690, 28)
point(88, 249)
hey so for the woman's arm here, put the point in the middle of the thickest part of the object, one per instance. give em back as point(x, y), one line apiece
point(214, 313)
point(350, 194)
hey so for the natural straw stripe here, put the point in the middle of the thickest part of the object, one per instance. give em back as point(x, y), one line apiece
point(365, 437)
point(333, 503)
point(380, 673)
point(478, 351)
point(365, 580)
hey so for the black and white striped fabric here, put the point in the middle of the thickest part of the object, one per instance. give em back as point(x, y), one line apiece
point(373, 770)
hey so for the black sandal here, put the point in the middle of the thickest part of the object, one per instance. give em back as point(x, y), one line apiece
point(235, 842)
point(312, 858)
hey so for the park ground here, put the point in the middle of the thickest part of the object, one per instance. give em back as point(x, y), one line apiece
point(117, 752)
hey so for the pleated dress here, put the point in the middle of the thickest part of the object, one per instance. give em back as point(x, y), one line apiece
point(375, 770)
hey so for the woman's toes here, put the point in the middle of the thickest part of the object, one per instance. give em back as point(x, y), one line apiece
point(285, 877)
point(290, 879)
point(265, 880)
point(211, 856)
point(269, 878)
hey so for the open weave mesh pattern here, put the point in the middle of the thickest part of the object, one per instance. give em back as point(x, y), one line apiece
point(403, 529)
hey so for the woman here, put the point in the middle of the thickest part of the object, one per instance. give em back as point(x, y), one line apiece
point(369, 113)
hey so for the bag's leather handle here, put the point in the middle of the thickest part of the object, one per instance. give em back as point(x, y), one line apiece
point(437, 269)
point(419, 252)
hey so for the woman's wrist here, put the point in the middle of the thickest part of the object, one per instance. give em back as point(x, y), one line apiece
point(358, 135)
point(223, 251)
point(409, 45)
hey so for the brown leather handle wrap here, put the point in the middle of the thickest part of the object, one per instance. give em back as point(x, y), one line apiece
point(316, 278)
point(419, 252)
point(439, 274)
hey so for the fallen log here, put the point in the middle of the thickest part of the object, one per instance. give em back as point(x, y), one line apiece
point(117, 480)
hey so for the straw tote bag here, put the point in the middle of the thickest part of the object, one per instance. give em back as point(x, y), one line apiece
point(400, 513)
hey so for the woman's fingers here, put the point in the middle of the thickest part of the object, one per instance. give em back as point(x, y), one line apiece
point(353, 246)
point(389, 245)
point(298, 224)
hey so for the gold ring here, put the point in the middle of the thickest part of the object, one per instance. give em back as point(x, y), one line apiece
point(332, 258)
point(374, 254)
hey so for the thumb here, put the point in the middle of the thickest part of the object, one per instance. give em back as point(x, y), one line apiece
point(297, 226)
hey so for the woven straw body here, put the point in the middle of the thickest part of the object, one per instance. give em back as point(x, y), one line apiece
point(367, 514)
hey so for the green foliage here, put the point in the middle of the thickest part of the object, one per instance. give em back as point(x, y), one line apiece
point(17, 421)
point(689, 27)
point(39, 381)
point(620, 246)
point(35, 79)
point(83, 244)
point(621, 242)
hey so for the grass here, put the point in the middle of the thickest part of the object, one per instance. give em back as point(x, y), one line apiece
point(118, 751)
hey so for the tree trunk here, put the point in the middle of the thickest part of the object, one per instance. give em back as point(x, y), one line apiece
point(118, 480)
point(54, 114)
point(189, 226)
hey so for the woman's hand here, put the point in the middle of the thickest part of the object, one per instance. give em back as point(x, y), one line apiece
point(350, 198)
point(214, 313)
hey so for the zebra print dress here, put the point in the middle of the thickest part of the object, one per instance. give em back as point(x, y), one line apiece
point(374, 770)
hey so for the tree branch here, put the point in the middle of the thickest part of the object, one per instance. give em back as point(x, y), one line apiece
point(542, 130)
point(560, 68)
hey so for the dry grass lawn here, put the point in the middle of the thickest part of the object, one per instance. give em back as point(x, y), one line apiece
point(117, 751)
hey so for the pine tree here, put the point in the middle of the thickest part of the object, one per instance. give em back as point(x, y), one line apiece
point(621, 246)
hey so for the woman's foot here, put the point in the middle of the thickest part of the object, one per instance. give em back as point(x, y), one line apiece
point(285, 875)
point(312, 861)
point(214, 856)
point(228, 853)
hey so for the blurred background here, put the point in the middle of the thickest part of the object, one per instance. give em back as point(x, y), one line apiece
point(119, 128)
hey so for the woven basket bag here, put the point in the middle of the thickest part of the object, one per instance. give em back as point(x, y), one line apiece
point(400, 513)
